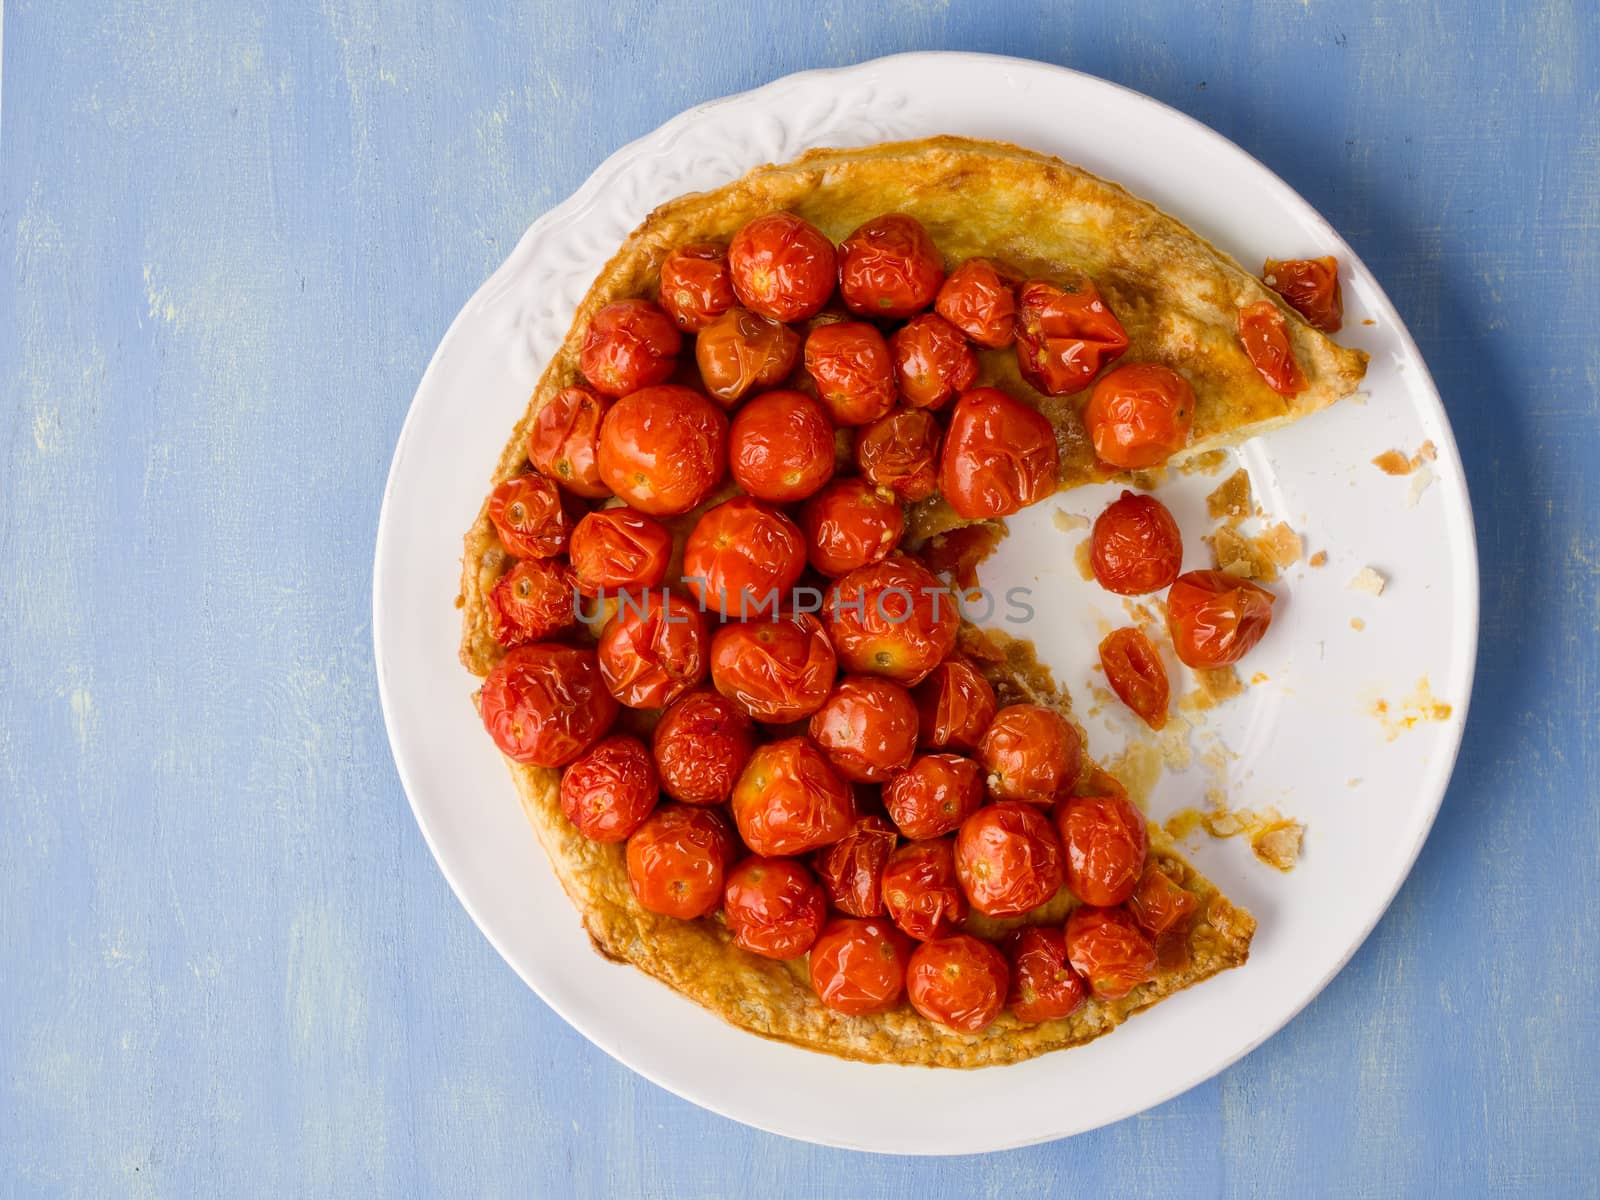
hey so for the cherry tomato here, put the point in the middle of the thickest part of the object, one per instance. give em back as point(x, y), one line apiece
point(980, 299)
point(781, 447)
point(1135, 546)
point(630, 344)
point(867, 727)
point(1264, 334)
point(742, 350)
point(774, 907)
point(955, 705)
point(1139, 416)
point(934, 795)
point(1065, 335)
point(850, 364)
point(701, 745)
point(851, 869)
point(1044, 987)
point(1109, 950)
point(776, 671)
point(616, 549)
point(920, 889)
point(1105, 842)
point(546, 704)
point(901, 452)
point(782, 267)
point(609, 789)
point(958, 981)
point(1311, 286)
point(1136, 674)
point(526, 512)
point(742, 557)
point(999, 455)
point(892, 618)
point(653, 650)
point(663, 449)
point(789, 800)
point(695, 286)
point(849, 524)
point(1030, 752)
point(932, 362)
point(532, 601)
point(1215, 618)
point(889, 268)
point(564, 441)
point(1159, 904)
point(858, 966)
point(678, 859)
point(1008, 859)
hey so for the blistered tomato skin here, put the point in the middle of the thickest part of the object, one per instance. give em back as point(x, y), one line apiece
point(527, 513)
point(854, 373)
point(782, 267)
point(932, 362)
point(955, 705)
point(1137, 675)
point(616, 549)
point(701, 744)
point(1030, 753)
point(609, 789)
point(900, 452)
point(532, 601)
point(1311, 286)
point(858, 965)
point(851, 869)
point(546, 704)
point(742, 351)
point(677, 860)
point(1044, 987)
point(789, 800)
point(889, 268)
point(867, 727)
point(980, 299)
point(1107, 947)
point(1159, 904)
point(776, 671)
point(934, 795)
point(1264, 334)
point(1105, 841)
point(742, 557)
point(1008, 859)
point(920, 890)
point(1135, 546)
point(653, 650)
point(999, 456)
point(1065, 335)
point(850, 524)
point(564, 442)
point(774, 907)
point(1139, 415)
point(781, 447)
point(892, 618)
point(630, 344)
point(663, 449)
point(1216, 618)
point(695, 286)
point(959, 982)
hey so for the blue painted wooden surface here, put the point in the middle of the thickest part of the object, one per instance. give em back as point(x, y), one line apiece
point(231, 234)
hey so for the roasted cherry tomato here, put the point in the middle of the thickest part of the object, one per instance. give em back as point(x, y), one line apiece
point(742, 557)
point(1107, 947)
point(1139, 416)
point(1105, 842)
point(774, 907)
point(789, 800)
point(781, 447)
point(1065, 335)
point(1265, 336)
point(892, 618)
point(782, 267)
point(1311, 286)
point(851, 869)
point(889, 268)
point(850, 364)
point(1135, 546)
point(741, 351)
point(849, 524)
point(1008, 859)
point(932, 362)
point(532, 601)
point(663, 449)
point(775, 670)
point(958, 981)
point(955, 705)
point(1044, 987)
point(1159, 903)
point(999, 455)
point(934, 795)
point(701, 744)
point(609, 789)
point(867, 727)
point(920, 889)
point(1215, 618)
point(630, 344)
point(1030, 752)
point(980, 299)
point(546, 704)
point(654, 649)
point(564, 442)
point(901, 452)
point(1136, 674)
point(526, 512)
point(858, 966)
point(695, 286)
point(617, 549)
point(678, 859)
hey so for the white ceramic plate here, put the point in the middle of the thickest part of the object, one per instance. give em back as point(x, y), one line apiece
point(1300, 738)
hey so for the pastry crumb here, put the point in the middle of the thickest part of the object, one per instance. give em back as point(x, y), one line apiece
point(1274, 839)
point(1278, 844)
point(1420, 482)
point(1360, 397)
point(1369, 581)
point(1068, 522)
point(1357, 624)
point(1212, 687)
point(1319, 559)
point(1393, 462)
point(1208, 463)
point(1421, 705)
point(1232, 501)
